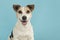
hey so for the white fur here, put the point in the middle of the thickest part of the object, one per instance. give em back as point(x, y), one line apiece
point(19, 16)
point(21, 32)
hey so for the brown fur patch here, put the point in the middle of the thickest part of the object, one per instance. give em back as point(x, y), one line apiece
point(16, 7)
point(31, 7)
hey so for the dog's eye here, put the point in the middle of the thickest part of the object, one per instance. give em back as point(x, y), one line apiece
point(28, 11)
point(20, 12)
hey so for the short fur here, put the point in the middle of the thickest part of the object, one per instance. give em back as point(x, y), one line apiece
point(20, 31)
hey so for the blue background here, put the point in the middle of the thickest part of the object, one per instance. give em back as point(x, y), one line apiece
point(45, 20)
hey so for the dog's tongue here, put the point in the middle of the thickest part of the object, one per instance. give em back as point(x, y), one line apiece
point(24, 22)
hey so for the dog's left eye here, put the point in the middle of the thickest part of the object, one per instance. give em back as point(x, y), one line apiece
point(28, 11)
point(20, 12)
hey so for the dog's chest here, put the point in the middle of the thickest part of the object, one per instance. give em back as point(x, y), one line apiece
point(23, 32)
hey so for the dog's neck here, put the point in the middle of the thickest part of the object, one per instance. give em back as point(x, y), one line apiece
point(19, 25)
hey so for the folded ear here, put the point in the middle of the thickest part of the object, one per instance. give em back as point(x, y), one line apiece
point(31, 7)
point(16, 7)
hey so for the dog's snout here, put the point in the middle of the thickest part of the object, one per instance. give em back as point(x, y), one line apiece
point(24, 18)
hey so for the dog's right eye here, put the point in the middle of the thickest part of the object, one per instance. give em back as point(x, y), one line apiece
point(20, 12)
point(27, 11)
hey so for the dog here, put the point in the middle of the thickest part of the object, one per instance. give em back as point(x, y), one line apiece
point(23, 29)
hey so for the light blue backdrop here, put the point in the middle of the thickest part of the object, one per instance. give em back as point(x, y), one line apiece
point(45, 20)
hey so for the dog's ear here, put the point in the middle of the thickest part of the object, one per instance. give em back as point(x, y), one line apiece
point(16, 7)
point(31, 7)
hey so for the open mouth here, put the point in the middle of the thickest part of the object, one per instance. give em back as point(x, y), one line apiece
point(24, 22)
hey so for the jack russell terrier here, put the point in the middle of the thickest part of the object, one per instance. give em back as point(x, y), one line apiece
point(23, 29)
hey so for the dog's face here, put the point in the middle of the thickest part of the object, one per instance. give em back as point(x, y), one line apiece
point(24, 14)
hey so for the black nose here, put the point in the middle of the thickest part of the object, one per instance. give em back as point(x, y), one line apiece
point(24, 18)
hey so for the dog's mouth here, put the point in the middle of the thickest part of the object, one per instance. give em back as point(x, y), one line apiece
point(24, 22)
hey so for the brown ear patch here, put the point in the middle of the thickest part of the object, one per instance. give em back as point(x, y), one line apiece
point(31, 7)
point(16, 7)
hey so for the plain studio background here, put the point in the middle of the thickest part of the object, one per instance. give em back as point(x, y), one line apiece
point(45, 19)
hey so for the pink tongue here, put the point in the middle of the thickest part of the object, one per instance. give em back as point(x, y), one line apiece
point(24, 23)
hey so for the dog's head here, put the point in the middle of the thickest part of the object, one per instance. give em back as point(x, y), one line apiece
point(24, 14)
